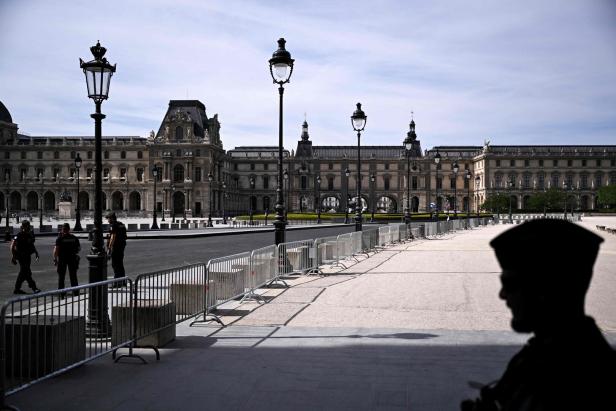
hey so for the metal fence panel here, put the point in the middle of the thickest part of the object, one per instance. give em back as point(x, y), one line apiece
point(295, 257)
point(326, 250)
point(263, 266)
point(227, 278)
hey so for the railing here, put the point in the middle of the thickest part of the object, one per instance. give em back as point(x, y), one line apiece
point(296, 257)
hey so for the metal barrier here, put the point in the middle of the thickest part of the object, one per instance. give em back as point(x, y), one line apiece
point(370, 240)
point(296, 257)
point(344, 248)
point(263, 269)
point(384, 237)
point(43, 335)
point(326, 252)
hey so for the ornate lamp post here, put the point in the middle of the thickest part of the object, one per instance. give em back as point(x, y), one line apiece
point(210, 178)
point(281, 68)
point(408, 146)
point(372, 180)
point(477, 182)
point(98, 73)
point(347, 174)
point(224, 199)
point(467, 176)
point(40, 178)
point(437, 161)
point(171, 199)
point(455, 169)
point(510, 185)
point(252, 186)
point(164, 203)
point(155, 172)
point(318, 187)
point(358, 120)
point(78, 209)
point(565, 188)
point(285, 176)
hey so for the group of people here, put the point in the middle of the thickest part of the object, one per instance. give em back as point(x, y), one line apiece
point(65, 254)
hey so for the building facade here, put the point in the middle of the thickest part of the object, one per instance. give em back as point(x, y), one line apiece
point(199, 177)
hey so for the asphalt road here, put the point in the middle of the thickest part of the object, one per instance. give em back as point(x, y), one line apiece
point(144, 256)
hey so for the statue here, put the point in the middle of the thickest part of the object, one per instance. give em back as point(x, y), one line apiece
point(486, 146)
point(167, 132)
point(65, 196)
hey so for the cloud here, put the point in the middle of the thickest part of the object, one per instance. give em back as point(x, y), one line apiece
point(541, 72)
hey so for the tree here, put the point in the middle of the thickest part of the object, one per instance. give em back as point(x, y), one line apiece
point(606, 196)
point(496, 203)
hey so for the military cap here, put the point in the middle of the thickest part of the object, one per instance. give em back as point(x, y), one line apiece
point(547, 244)
point(110, 215)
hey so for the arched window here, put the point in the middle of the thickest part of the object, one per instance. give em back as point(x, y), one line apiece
point(106, 155)
point(179, 133)
point(140, 154)
point(178, 173)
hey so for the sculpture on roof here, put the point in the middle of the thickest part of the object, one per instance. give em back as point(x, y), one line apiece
point(486, 146)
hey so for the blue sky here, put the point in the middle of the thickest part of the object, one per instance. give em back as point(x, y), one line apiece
point(523, 72)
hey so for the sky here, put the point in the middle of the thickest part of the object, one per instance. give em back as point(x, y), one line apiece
point(522, 72)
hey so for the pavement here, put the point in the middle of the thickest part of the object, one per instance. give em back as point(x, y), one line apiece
point(406, 328)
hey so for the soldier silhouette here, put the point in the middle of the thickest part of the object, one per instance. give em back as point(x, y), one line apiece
point(567, 364)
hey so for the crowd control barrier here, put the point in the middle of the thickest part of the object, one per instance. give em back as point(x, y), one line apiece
point(296, 257)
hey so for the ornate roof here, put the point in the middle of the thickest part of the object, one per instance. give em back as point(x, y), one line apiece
point(4, 114)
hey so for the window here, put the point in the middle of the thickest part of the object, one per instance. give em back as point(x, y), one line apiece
point(526, 163)
point(198, 152)
point(178, 173)
point(386, 182)
point(466, 183)
point(511, 163)
point(266, 166)
point(497, 163)
point(40, 172)
point(139, 155)
point(39, 155)
point(72, 154)
point(139, 174)
point(584, 163)
point(7, 155)
point(122, 154)
point(569, 163)
point(89, 155)
point(304, 182)
point(106, 155)
point(613, 162)
point(56, 155)
point(197, 173)
point(88, 173)
point(22, 174)
point(56, 173)
point(265, 182)
point(179, 133)
point(555, 163)
point(598, 180)
point(178, 153)
point(23, 155)
point(386, 166)
point(439, 183)
point(234, 166)
point(526, 181)
point(555, 179)
point(105, 173)
point(7, 173)
point(498, 180)
point(414, 182)
point(584, 181)
point(122, 173)
point(541, 178)
point(452, 183)
point(252, 166)
point(330, 183)
point(569, 180)
point(330, 166)
point(540, 163)
point(598, 162)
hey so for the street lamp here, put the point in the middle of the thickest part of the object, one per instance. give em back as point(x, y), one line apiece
point(98, 73)
point(318, 199)
point(358, 120)
point(210, 178)
point(455, 169)
point(40, 178)
point(155, 172)
point(437, 161)
point(408, 146)
point(281, 68)
point(252, 186)
point(172, 200)
point(565, 188)
point(285, 176)
point(372, 180)
point(468, 196)
point(477, 182)
point(510, 185)
point(164, 203)
point(347, 173)
point(78, 210)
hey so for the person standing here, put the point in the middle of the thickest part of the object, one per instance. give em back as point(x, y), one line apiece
point(22, 248)
point(66, 255)
point(116, 244)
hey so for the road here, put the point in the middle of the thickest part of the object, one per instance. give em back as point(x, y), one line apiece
point(144, 256)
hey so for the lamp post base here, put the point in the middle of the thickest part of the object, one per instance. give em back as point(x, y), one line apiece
point(98, 324)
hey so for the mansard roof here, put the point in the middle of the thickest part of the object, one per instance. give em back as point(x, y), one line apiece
point(184, 110)
point(4, 114)
point(350, 152)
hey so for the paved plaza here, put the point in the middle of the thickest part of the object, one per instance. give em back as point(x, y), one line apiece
point(406, 328)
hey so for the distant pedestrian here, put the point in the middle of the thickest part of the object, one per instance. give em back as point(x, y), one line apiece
point(22, 248)
point(66, 255)
point(116, 244)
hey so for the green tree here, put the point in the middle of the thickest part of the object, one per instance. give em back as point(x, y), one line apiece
point(496, 203)
point(607, 196)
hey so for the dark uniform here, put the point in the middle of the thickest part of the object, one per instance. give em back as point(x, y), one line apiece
point(568, 364)
point(68, 248)
point(117, 250)
point(23, 244)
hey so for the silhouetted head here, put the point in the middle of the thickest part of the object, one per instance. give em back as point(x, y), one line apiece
point(111, 217)
point(66, 228)
point(25, 226)
point(547, 267)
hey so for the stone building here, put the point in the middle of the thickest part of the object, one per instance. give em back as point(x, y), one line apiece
point(198, 176)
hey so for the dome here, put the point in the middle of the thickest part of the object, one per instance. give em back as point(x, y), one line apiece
point(4, 114)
